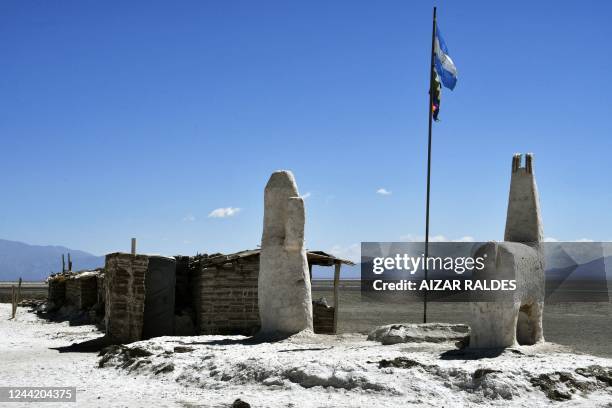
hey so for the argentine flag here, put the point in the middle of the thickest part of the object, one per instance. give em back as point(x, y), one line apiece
point(444, 64)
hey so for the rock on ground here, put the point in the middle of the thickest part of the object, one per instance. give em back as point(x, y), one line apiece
point(419, 333)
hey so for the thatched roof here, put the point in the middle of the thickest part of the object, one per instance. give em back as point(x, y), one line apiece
point(314, 258)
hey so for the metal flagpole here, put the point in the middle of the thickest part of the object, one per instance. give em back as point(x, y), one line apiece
point(430, 110)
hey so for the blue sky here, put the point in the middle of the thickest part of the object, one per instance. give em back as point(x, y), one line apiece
point(140, 119)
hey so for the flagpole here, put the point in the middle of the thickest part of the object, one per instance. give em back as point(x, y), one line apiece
point(430, 110)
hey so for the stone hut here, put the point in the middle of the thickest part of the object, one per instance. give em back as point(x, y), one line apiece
point(139, 296)
point(56, 290)
point(225, 293)
point(82, 289)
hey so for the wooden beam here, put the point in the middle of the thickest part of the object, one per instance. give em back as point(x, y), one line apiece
point(337, 267)
point(310, 271)
point(19, 291)
point(133, 246)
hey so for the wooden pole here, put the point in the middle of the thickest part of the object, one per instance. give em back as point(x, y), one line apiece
point(337, 267)
point(430, 114)
point(63, 264)
point(13, 304)
point(134, 246)
point(69, 263)
point(19, 291)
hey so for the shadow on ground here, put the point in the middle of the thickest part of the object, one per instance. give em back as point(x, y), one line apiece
point(89, 346)
point(475, 354)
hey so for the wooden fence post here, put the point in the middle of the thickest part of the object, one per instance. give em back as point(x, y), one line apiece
point(134, 246)
point(13, 304)
point(337, 267)
point(19, 291)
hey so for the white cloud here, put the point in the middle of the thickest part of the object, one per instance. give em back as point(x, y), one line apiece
point(435, 238)
point(383, 191)
point(351, 252)
point(411, 238)
point(189, 218)
point(224, 212)
point(305, 196)
point(550, 239)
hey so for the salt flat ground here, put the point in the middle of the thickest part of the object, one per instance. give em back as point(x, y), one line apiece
point(303, 371)
point(29, 290)
point(586, 327)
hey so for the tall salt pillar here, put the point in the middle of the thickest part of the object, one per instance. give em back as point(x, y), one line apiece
point(523, 221)
point(284, 293)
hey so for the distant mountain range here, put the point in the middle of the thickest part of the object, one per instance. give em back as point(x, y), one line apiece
point(36, 262)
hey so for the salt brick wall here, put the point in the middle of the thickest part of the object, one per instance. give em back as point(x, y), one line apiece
point(83, 293)
point(57, 291)
point(323, 319)
point(227, 301)
point(194, 283)
point(101, 289)
point(72, 291)
point(125, 293)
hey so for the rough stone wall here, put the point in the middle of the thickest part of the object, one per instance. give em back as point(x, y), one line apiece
point(183, 289)
point(72, 291)
point(57, 291)
point(227, 298)
point(195, 269)
point(194, 272)
point(125, 295)
point(82, 292)
point(101, 289)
